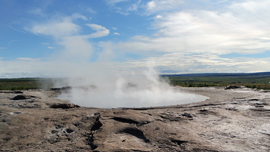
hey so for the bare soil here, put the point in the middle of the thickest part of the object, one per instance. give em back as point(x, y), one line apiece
point(231, 120)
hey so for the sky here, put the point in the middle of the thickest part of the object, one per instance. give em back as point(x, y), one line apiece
point(47, 38)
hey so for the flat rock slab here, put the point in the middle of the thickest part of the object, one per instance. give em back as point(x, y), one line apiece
point(231, 120)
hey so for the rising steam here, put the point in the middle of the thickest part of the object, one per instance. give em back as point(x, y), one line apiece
point(92, 74)
point(132, 89)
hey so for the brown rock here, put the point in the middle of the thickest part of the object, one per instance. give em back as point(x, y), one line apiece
point(228, 121)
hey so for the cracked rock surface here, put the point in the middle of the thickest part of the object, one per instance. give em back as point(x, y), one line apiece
point(231, 120)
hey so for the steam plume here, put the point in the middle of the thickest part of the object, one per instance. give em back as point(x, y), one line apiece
point(131, 89)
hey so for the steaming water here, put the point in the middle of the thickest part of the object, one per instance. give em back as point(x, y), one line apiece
point(136, 98)
point(146, 90)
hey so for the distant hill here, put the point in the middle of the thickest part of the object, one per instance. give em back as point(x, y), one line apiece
point(217, 74)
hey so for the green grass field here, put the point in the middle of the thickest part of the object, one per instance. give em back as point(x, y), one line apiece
point(23, 83)
point(255, 80)
point(250, 81)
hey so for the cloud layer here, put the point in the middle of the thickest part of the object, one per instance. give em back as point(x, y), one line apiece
point(194, 40)
point(186, 37)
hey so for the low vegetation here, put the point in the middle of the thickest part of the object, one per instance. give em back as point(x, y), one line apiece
point(255, 80)
point(24, 83)
point(251, 80)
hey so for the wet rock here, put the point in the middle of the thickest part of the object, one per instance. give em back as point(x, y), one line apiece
point(178, 142)
point(96, 114)
point(19, 97)
point(69, 131)
point(64, 105)
point(96, 125)
point(259, 109)
point(203, 110)
point(90, 141)
point(207, 112)
point(231, 109)
point(170, 117)
point(135, 132)
point(125, 120)
point(10, 91)
point(253, 99)
point(17, 112)
point(232, 87)
point(265, 91)
point(67, 88)
point(187, 115)
point(263, 103)
point(259, 106)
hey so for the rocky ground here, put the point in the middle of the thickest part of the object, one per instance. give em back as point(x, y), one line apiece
point(236, 119)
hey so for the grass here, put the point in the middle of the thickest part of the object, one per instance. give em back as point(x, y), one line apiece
point(255, 80)
point(23, 83)
point(259, 82)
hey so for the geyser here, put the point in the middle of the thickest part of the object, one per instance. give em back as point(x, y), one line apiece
point(144, 89)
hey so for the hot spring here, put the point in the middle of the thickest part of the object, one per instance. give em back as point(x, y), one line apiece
point(126, 90)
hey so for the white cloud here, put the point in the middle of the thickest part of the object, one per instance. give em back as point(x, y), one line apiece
point(134, 6)
point(78, 16)
point(28, 68)
point(77, 47)
point(12, 26)
point(126, 9)
point(162, 5)
point(101, 31)
point(113, 2)
point(90, 10)
point(189, 40)
point(251, 5)
point(172, 63)
point(58, 29)
point(194, 40)
point(121, 11)
point(207, 31)
point(64, 27)
point(151, 5)
point(31, 67)
point(28, 59)
point(159, 16)
point(2, 48)
point(115, 33)
point(202, 63)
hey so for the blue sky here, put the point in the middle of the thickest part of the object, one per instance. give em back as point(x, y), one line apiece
point(39, 38)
